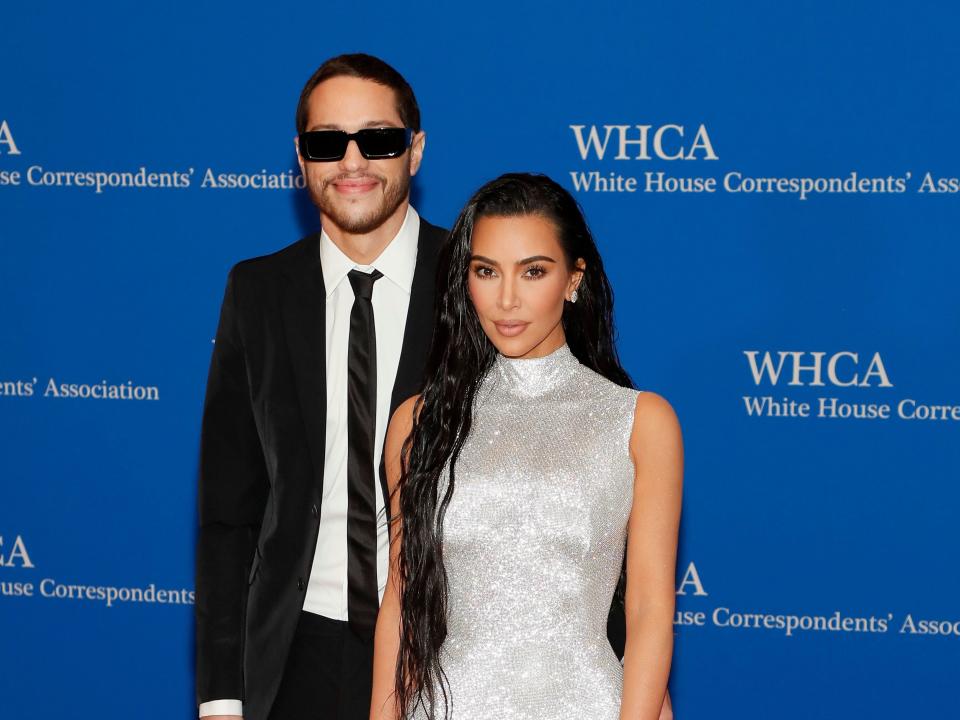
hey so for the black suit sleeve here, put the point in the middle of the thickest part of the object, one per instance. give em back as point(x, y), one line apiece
point(232, 493)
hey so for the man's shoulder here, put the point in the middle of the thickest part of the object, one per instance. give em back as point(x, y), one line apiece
point(432, 232)
point(431, 239)
point(266, 266)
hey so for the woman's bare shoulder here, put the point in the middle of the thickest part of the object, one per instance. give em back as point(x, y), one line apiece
point(402, 420)
point(654, 421)
point(401, 425)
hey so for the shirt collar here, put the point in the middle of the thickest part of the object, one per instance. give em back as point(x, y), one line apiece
point(397, 262)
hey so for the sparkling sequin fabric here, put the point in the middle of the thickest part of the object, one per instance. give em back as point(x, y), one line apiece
point(533, 543)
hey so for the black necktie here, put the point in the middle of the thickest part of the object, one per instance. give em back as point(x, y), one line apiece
point(362, 598)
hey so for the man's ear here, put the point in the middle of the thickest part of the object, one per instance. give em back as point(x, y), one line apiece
point(417, 145)
point(296, 145)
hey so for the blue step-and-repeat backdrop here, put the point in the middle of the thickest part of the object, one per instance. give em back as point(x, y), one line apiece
point(775, 188)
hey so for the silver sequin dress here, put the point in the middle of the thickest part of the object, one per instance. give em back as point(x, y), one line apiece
point(534, 538)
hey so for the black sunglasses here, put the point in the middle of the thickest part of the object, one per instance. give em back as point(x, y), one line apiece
point(374, 143)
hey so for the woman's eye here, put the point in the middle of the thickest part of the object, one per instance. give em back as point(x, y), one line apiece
point(481, 271)
point(536, 271)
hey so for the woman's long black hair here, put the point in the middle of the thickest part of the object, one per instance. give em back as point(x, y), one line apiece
point(459, 358)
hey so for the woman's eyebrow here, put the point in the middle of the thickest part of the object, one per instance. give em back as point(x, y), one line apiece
point(535, 258)
point(524, 261)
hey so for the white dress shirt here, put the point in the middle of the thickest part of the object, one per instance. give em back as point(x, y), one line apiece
point(327, 587)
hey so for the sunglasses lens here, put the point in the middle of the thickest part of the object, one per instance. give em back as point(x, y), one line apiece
point(374, 143)
point(383, 142)
point(323, 145)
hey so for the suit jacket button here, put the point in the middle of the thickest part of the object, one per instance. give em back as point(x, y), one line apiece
point(300, 584)
point(315, 511)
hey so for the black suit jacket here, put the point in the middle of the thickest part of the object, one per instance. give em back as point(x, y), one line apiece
point(261, 461)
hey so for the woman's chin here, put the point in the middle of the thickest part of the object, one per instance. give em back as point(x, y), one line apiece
point(512, 347)
point(519, 346)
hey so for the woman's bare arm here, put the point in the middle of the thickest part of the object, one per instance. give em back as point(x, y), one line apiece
point(387, 635)
point(656, 447)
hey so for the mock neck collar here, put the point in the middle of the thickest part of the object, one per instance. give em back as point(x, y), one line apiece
point(535, 376)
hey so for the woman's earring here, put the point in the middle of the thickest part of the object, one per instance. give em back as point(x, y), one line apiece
point(573, 296)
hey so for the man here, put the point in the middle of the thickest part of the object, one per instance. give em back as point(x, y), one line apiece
point(316, 346)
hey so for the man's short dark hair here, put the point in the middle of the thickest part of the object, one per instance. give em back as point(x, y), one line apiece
point(366, 67)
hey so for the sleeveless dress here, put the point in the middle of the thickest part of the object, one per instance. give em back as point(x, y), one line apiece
point(533, 541)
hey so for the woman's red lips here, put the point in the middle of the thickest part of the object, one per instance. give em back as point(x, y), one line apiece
point(511, 327)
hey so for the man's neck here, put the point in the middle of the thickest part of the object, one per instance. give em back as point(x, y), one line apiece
point(363, 249)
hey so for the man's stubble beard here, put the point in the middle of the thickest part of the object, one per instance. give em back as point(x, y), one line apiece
point(393, 196)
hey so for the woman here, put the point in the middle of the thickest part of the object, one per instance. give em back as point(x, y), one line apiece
point(519, 477)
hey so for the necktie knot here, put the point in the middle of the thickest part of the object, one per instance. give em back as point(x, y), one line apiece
point(362, 282)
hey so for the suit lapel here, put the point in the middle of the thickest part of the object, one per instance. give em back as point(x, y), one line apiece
point(418, 329)
point(304, 325)
point(417, 333)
